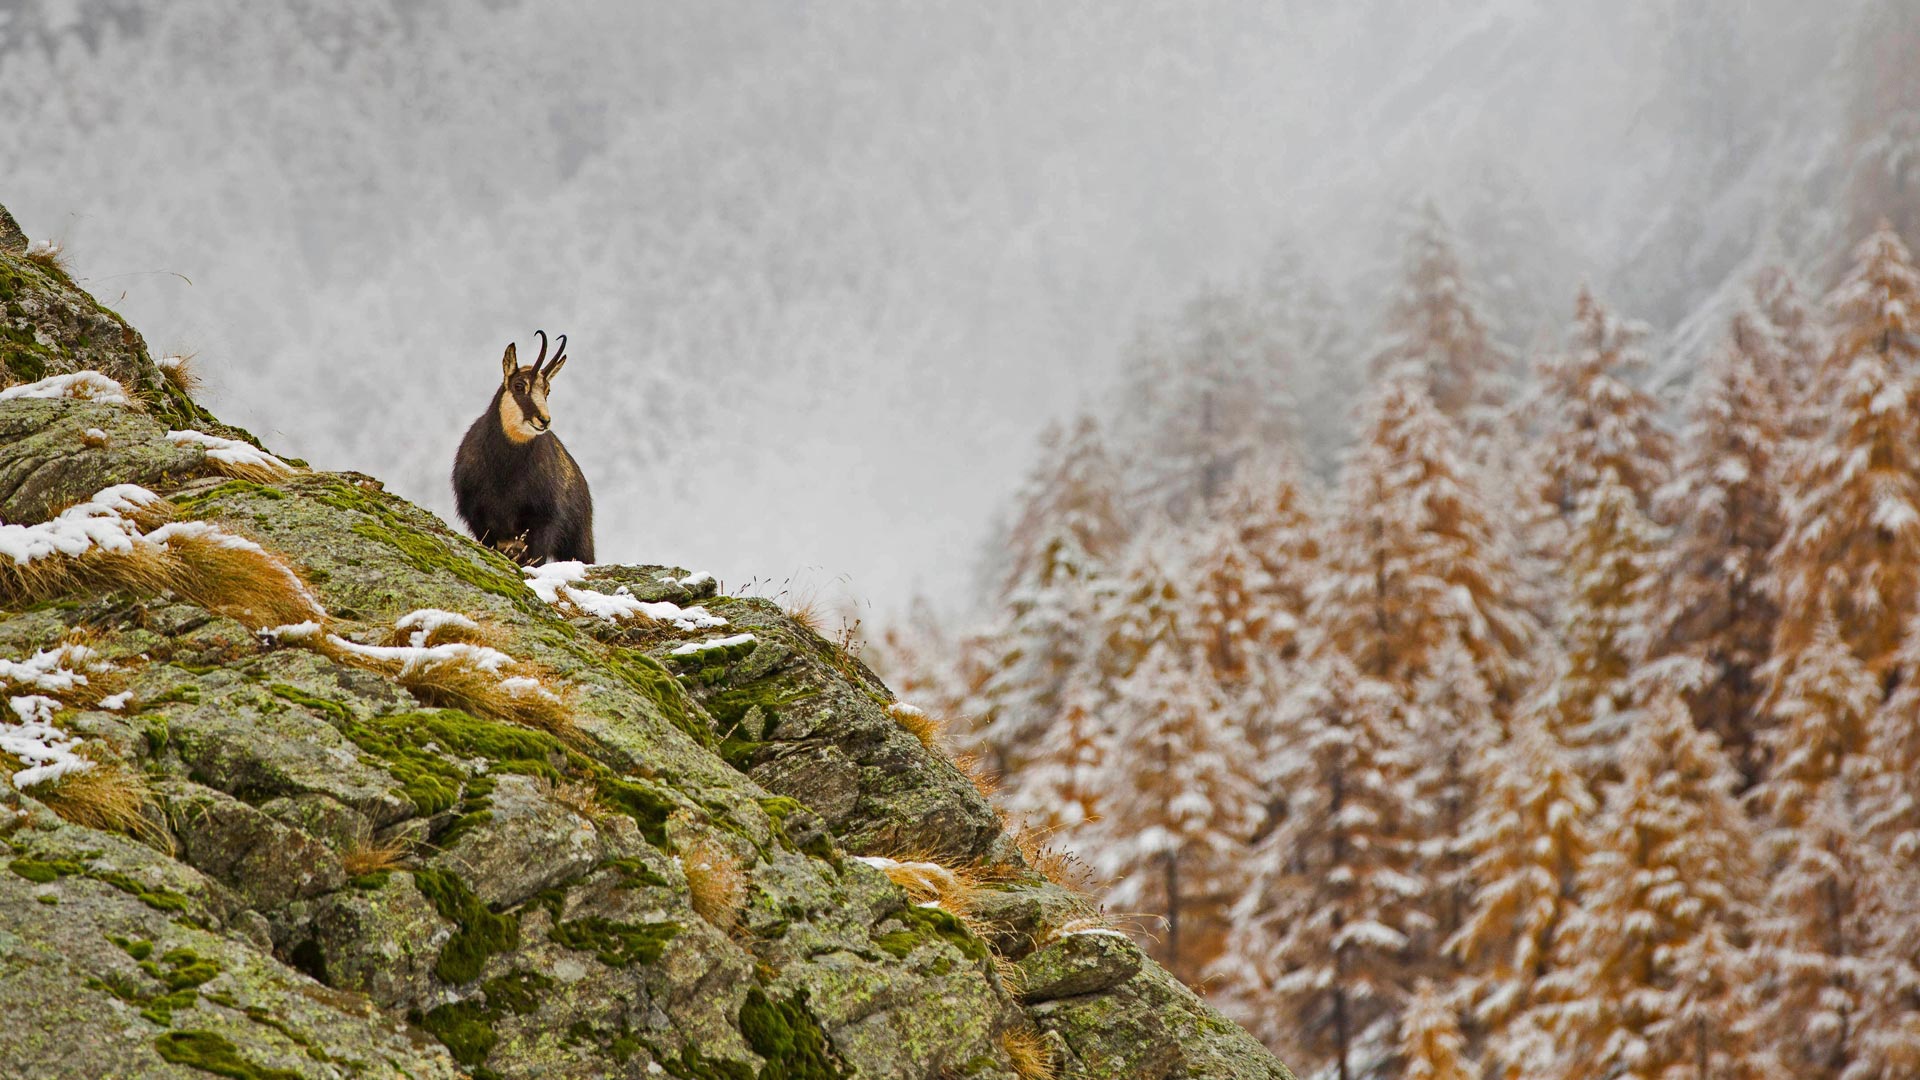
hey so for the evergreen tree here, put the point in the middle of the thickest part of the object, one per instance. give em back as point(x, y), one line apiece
point(1852, 542)
point(1322, 946)
point(1431, 1046)
point(1180, 804)
point(1042, 639)
point(1822, 726)
point(1275, 519)
point(1201, 396)
point(1666, 891)
point(1415, 561)
point(1613, 566)
point(1062, 786)
point(1072, 496)
point(1297, 319)
point(1834, 994)
point(1437, 326)
point(1596, 419)
point(1233, 605)
point(1529, 842)
point(1456, 724)
point(1891, 795)
point(1715, 606)
point(1778, 331)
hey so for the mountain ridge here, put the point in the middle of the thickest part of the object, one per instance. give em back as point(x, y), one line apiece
point(450, 824)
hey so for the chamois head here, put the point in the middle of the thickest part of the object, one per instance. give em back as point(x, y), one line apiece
point(523, 391)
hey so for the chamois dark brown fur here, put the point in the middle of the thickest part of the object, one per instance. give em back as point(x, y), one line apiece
point(516, 487)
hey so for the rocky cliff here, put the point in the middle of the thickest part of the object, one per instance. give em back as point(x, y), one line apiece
point(297, 781)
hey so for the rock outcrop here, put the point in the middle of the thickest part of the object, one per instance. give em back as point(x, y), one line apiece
point(629, 828)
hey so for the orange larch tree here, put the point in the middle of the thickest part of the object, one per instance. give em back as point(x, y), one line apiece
point(1852, 541)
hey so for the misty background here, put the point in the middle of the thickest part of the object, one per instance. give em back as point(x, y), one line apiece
point(827, 269)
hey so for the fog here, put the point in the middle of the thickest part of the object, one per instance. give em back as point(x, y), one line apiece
point(827, 268)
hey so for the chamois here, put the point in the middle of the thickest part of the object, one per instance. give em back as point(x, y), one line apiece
point(516, 487)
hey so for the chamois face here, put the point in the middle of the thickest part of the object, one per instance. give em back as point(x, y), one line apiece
point(523, 392)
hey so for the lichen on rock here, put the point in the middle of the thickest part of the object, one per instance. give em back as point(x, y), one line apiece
point(320, 869)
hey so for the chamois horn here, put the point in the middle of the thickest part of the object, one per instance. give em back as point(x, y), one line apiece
point(559, 359)
point(543, 352)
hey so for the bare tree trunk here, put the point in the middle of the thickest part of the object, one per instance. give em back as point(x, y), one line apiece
point(1340, 1035)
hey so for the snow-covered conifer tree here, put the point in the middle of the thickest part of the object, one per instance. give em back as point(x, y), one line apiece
point(1437, 327)
point(1414, 558)
point(1821, 730)
point(1179, 804)
point(1322, 947)
point(1042, 639)
point(1274, 515)
point(1074, 492)
point(1612, 568)
point(1595, 417)
point(1431, 1046)
point(1233, 605)
point(1852, 542)
point(1643, 979)
point(1715, 606)
point(1831, 980)
point(1529, 841)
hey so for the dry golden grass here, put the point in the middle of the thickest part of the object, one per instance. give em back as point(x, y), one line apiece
point(515, 692)
point(103, 680)
point(111, 796)
point(209, 567)
point(984, 782)
point(583, 798)
point(182, 371)
point(252, 586)
point(1031, 1055)
point(142, 570)
point(806, 612)
point(50, 255)
point(456, 685)
point(919, 724)
point(94, 439)
point(258, 472)
point(716, 881)
point(1056, 864)
point(1012, 977)
point(369, 856)
point(449, 633)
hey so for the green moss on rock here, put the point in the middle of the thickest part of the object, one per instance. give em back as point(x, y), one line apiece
point(211, 1052)
point(481, 932)
point(615, 944)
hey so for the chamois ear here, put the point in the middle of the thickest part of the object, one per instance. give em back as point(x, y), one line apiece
point(559, 361)
point(509, 364)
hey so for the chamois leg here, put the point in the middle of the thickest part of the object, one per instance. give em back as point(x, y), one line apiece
point(544, 544)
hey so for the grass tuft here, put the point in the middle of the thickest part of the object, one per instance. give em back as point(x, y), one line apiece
point(1056, 864)
point(111, 797)
point(182, 371)
point(455, 685)
point(984, 782)
point(583, 798)
point(1031, 1055)
point(716, 881)
point(447, 633)
point(919, 724)
point(369, 856)
point(142, 569)
point(243, 582)
point(50, 254)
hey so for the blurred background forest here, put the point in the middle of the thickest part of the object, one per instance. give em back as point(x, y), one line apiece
point(1423, 501)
